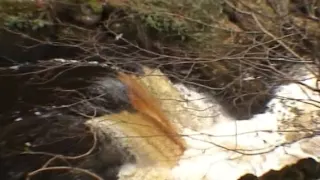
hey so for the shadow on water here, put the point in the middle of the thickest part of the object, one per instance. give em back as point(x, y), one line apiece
point(43, 108)
point(15, 49)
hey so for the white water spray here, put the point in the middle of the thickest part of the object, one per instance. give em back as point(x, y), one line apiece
point(217, 146)
point(229, 149)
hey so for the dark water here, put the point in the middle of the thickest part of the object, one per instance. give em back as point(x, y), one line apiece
point(43, 108)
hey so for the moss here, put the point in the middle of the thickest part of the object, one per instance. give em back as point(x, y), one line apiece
point(22, 15)
point(186, 21)
point(96, 6)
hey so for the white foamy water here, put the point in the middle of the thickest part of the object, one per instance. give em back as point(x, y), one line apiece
point(217, 146)
point(229, 149)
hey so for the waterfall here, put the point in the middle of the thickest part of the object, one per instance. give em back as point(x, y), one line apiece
point(152, 128)
point(231, 148)
point(219, 147)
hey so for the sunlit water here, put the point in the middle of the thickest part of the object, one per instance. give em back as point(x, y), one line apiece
point(221, 148)
point(229, 149)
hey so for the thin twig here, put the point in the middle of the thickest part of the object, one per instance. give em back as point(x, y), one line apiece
point(64, 168)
